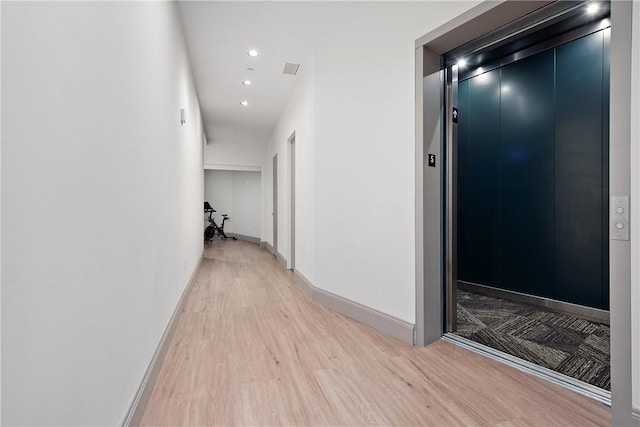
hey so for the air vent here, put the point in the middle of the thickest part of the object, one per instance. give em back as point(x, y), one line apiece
point(291, 69)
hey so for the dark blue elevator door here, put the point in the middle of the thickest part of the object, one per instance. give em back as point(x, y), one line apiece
point(533, 174)
point(526, 176)
point(580, 205)
point(479, 101)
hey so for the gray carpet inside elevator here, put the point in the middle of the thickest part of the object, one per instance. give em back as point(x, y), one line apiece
point(566, 344)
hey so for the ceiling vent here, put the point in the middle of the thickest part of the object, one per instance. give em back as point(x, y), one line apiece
point(291, 69)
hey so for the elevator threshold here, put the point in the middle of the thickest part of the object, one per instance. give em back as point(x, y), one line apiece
point(565, 381)
point(588, 313)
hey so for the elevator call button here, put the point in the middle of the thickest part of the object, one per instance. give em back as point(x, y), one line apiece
point(619, 218)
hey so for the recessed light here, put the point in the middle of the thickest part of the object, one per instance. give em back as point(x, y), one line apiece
point(252, 52)
point(247, 82)
point(462, 63)
point(592, 8)
point(244, 103)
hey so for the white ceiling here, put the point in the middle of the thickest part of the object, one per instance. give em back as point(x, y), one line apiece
point(218, 36)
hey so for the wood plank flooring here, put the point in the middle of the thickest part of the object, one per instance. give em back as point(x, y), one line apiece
point(250, 349)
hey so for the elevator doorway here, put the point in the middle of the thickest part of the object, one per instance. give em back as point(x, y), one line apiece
point(527, 212)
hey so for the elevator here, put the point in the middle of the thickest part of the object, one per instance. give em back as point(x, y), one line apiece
point(527, 192)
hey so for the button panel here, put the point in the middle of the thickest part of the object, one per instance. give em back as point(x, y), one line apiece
point(620, 218)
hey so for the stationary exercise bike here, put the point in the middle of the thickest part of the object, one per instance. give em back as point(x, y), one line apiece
point(210, 231)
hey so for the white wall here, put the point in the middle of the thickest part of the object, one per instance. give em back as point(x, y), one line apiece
point(298, 118)
point(230, 145)
point(355, 170)
point(237, 194)
point(635, 206)
point(233, 153)
point(101, 203)
point(0, 230)
point(218, 191)
point(246, 203)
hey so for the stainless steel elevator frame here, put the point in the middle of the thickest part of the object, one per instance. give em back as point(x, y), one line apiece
point(451, 223)
point(430, 181)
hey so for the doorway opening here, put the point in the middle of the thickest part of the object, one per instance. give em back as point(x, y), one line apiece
point(292, 200)
point(274, 212)
point(235, 194)
point(527, 195)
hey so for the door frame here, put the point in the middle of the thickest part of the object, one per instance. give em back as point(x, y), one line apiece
point(291, 262)
point(430, 182)
point(274, 212)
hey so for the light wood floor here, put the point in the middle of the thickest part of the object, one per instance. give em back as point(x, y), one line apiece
point(250, 349)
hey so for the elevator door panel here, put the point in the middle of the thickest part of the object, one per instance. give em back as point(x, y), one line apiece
point(484, 176)
point(605, 166)
point(464, 254)
point(526, 211)
point(579, 202)
point(533, 154)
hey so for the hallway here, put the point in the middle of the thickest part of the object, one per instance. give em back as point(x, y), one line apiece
point(250, 349)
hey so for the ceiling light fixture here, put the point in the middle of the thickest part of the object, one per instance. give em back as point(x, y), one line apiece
point(462, 63)
point(247, 82)
point(252, 52)
point(244, 103)
point(592, 8)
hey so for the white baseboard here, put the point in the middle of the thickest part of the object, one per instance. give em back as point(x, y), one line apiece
point(136, 410)
point(382, 322)
point(281, 259)
point(278, 255)
point(244, 237)
point(304, 284)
